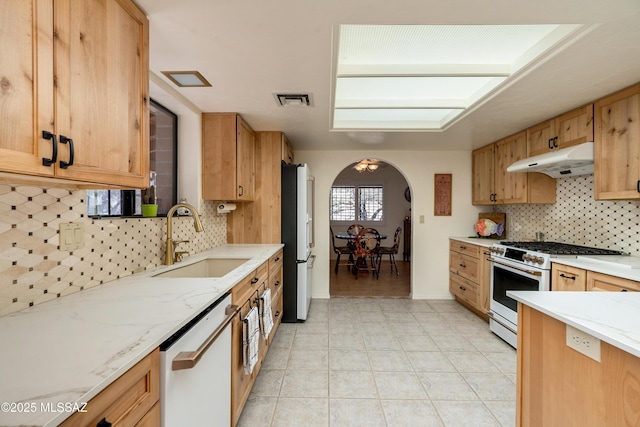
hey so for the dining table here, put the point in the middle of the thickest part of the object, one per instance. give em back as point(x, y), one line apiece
point(346, 236)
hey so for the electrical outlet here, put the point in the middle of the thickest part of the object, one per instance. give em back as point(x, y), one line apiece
point(583, 343)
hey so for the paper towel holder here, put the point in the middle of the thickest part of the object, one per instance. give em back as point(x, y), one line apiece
point(225, 208)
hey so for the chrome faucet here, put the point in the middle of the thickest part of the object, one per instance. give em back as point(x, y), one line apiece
point(171, 244)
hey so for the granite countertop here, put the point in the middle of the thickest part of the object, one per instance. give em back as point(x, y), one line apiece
point(610, 316)
point(71, 348)
point(627, 267)
point(480, 241)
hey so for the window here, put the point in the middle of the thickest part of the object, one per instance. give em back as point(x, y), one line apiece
point(368, 200)
point(163, 162)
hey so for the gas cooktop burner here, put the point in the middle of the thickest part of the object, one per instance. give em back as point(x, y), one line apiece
point(555, 248)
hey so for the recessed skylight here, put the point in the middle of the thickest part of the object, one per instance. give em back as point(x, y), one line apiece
point(421, 77)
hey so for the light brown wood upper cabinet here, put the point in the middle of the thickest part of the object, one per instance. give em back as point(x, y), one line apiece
point(617, 146)
point(98, 108)
point(228, 156)
point(492, 184)
point(571, 128)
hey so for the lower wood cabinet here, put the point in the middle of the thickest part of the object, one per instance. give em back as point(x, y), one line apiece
point(470, 275)
point(245, 294)
point(131, 400)
point(558, 386)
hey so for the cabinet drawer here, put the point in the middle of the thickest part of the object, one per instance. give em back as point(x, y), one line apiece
point(604, 282)
point(275, 262)
point(464, 248)
point(463, 288)
point(127, 399)
point(275, 282)
point(464, 265)
point(251, 283)
point(567, 278)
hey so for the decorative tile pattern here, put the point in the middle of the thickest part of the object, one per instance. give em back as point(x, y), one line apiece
point(578, 218)
point(34, 270)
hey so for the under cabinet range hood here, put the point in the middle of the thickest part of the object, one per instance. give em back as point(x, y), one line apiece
point(571, 161)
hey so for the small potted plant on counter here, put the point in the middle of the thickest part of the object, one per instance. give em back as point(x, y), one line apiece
point(149, 206)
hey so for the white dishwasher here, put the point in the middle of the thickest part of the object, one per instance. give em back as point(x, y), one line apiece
point(195, 370)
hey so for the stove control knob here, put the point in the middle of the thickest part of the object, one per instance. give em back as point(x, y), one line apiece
point(538, 260)
point(527, 257)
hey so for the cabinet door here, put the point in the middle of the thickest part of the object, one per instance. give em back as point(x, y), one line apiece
point(540, 138)
point(482, 175)
point(484, 281)
point(574, 127)
point(245, 172)
point(567, 278)
point(26, 86)
point(617, 146)
point(510, 187)
point(102, 91)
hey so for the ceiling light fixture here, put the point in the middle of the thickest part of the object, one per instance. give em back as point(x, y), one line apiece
point(370, 165)
point(186, 78)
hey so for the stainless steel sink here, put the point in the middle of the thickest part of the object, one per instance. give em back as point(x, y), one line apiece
point(210, 267)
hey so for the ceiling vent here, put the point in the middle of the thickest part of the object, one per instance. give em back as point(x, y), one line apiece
point(293, 99)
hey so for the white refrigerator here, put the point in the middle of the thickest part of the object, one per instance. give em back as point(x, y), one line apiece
point(298, 238)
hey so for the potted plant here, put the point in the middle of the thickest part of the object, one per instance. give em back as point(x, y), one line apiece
point(149, 206)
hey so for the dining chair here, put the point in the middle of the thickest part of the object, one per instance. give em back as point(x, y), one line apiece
point(392, 251)
point(354, 229)
point(341, 250)
point(367, 245)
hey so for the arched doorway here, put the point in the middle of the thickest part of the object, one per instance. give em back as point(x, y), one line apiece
point(375, 194)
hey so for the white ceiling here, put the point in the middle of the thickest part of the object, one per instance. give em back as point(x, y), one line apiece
point(251, 49)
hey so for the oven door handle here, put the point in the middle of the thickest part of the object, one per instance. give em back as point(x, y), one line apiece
point(495, 319)
point(189, 359)
point(531, 272)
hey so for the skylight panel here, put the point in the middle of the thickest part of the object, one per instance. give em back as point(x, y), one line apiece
point(442, 69)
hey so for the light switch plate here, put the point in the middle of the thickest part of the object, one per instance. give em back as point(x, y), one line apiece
point(71, 236)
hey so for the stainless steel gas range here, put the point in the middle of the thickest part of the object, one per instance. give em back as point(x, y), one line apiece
point(524, 266)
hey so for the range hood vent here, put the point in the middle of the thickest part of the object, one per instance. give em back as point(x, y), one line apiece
point(293, 99)
point(572, 161)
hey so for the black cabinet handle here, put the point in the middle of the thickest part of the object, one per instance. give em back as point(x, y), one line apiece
point(555, 142)
point(277, 283)
point(277, 314)
point(463, 288)
point(103, 423)
point(567, 277)
point(64, 140)
point(550, 143)
point(241, 190)
point(54, 154)
point(637, 185)
point(254, 280)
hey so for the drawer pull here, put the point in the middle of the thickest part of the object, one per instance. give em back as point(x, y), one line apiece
point(463, 288)
point(567, 277)
point(277, 259)
point(277, 283)
point(103, 423)
point(254, 280)
point(54, 154)
point(463, 247)
point(64, 140)
point(277, 314)
point(463, 266)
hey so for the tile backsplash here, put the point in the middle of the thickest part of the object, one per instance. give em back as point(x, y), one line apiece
point(32, 268)
point(578, 218)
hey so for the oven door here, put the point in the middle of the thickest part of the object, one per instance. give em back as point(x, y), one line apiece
point(504, 278)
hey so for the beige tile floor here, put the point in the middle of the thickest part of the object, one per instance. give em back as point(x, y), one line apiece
point(385, 362)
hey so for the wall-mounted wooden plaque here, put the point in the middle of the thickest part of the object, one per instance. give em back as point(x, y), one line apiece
point(442, 194)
